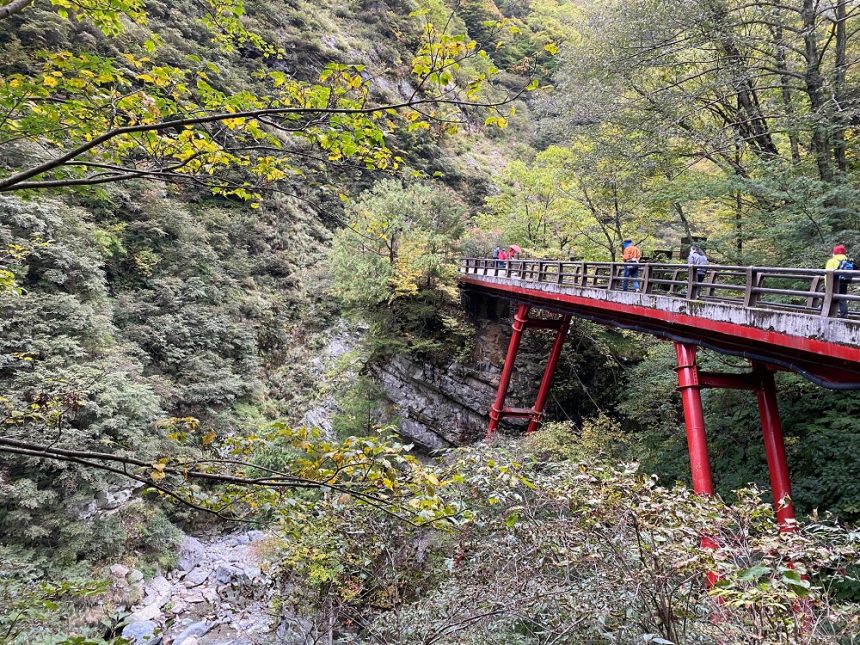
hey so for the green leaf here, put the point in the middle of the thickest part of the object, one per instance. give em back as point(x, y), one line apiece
point(754, 573)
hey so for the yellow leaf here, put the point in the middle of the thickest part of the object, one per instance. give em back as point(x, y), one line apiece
point(157, 473)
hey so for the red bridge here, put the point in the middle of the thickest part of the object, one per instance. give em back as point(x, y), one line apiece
point(779, 319)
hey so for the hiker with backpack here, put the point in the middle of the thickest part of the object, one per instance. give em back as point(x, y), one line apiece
point(840, 262)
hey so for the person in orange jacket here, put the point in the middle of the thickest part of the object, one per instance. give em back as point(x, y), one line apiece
point(630, 257)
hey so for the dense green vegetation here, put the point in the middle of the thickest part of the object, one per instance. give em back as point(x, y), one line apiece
point(200, 198)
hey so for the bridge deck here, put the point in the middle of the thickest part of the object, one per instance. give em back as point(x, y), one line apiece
point(783, 317)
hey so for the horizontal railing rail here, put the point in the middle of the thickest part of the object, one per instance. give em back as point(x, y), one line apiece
point(810, 291)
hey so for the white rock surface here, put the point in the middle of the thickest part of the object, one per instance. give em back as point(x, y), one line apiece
point(140, 632)
point(219, 583)
point(197, 576)
point(146, 613)
point(119, 571)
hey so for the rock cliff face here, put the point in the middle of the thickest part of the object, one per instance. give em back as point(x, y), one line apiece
point(439, 405)
point(444, 405)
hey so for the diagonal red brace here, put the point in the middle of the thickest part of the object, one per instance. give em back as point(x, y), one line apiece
point(549, 372)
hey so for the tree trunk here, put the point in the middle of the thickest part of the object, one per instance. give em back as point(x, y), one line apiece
point(16, 6)
point(683, 217)
point(739, 225)
point(751, 123)
point(780, 51)
point(819, 143)
point(839, 87)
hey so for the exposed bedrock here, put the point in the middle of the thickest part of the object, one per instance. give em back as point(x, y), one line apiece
point(444, 404)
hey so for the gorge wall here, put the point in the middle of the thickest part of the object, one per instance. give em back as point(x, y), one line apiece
point(443, 404)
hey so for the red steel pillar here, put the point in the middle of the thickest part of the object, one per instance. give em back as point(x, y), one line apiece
point(774, 446)
point(697, 443)
point(548, 374)
point(519, 324)
point(691, 396)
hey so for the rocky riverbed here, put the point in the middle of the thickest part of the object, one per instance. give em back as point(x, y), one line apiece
point(217, 595)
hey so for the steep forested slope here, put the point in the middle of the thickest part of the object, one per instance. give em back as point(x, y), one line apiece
point(174, 304)
point(138, 311)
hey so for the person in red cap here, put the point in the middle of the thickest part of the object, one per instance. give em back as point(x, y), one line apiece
point(839, 262)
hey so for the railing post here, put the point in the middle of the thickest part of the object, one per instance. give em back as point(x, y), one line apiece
point(691, 282)
point(560, 275)
point(646, 278)
point(611, 282)
point(828, 305)
point(752, 280)
point(584, 277)
point(810, 302)
point(710, 280)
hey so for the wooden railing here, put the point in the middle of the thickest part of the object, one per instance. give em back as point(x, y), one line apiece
point(808, 291)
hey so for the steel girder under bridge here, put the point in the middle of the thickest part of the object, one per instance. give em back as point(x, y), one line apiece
point(796, 320)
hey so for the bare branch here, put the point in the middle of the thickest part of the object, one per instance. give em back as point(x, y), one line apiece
point(15, 6)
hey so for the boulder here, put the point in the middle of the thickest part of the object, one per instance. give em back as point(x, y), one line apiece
point(226, 573)
point(189, 635)
point(119, 571)
point(193, 596)
point(135, 576)
point(139, 632)
point(146, 614)
point(196, 577)
point(191, 553)
point(158, 591)
point(210, 595)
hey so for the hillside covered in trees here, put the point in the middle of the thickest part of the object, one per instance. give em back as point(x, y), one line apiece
point(229, 235)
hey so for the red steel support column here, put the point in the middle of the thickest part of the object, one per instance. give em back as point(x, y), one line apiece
point(548, 374)
point(520, 319)
point(688, 383)
point(697, 444)
point(774, 446)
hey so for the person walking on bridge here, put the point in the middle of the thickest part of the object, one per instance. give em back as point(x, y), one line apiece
point(514, 251)
point(630, 257)
point(699, 261)
point(840, 262)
